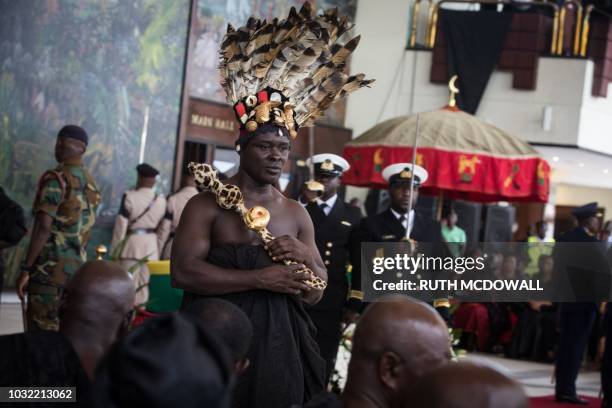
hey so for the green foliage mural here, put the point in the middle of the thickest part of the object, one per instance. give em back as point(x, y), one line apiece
point(112, 66)
point(115, 68)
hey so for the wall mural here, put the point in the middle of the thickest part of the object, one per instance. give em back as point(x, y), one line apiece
point(210, 26)
point(113, 67)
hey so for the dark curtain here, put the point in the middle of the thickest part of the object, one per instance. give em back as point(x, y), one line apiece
point(474, 41)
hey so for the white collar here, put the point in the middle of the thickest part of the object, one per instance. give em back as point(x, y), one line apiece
point(330, 201)
point(399, 215)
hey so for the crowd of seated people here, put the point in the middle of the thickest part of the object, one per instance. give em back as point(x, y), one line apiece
point(523, 330)
point(401, 347)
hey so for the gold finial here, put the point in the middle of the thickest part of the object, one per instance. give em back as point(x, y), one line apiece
point(452, 102)
point(100, 252)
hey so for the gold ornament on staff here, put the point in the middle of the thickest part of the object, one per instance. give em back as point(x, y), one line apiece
point(100, 252)
point(229, 197)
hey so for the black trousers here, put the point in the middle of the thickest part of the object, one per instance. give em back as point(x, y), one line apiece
point(575, 327)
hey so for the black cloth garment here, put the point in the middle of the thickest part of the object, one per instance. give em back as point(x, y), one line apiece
point(323, 400)
point(42, 359)
point(170, 361)
point(474, 42)
point(384, 227)
point(333, 234)
point(286, 368)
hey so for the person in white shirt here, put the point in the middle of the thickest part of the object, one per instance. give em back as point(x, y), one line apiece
point(135, 231)
point(174, 209)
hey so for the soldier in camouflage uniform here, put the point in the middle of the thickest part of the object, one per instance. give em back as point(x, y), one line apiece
point(64, 211)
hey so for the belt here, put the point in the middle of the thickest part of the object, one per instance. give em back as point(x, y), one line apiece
point(141, 231)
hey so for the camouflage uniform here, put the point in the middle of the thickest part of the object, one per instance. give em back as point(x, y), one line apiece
point(70, 196)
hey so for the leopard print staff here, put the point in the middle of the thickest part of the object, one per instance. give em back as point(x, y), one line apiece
point(229, 197)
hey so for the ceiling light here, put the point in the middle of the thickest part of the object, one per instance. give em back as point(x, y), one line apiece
point(555, 158)
point(581, 165)
point(605, 171)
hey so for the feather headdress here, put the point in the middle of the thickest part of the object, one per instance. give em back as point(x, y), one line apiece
point(288, 72)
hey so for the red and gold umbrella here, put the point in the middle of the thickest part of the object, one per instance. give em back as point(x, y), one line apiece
point(466, 158)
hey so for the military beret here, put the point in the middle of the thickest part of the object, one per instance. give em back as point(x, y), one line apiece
point(146, 170)
point(74, 132)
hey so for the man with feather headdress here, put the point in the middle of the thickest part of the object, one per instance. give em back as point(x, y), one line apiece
point(278, 76)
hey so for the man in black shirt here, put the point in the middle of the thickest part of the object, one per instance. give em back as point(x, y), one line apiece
point(95, 309)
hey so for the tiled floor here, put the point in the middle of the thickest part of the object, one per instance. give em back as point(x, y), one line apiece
point(535, 377)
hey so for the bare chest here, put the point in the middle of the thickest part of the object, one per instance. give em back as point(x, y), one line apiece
point(230, 228)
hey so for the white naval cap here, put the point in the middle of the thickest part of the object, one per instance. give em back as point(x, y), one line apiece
point(403, 172)
point(329, 163)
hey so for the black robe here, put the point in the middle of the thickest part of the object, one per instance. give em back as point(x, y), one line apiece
point(286, 368)
point(42, 359)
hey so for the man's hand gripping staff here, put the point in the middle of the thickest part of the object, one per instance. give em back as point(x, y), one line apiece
point(229, 197)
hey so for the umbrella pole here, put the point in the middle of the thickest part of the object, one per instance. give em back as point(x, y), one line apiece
point(311, 151)
point(414, 148)
point(439, 206)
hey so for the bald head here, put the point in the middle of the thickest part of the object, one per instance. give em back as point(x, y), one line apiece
point(396, 342)
point(466, 385)
point(95, 309)
point(412, 329)
point(99, 291)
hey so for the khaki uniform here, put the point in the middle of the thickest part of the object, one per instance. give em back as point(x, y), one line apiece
point(174, 209)
point(69, 195)
point(135, 229)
